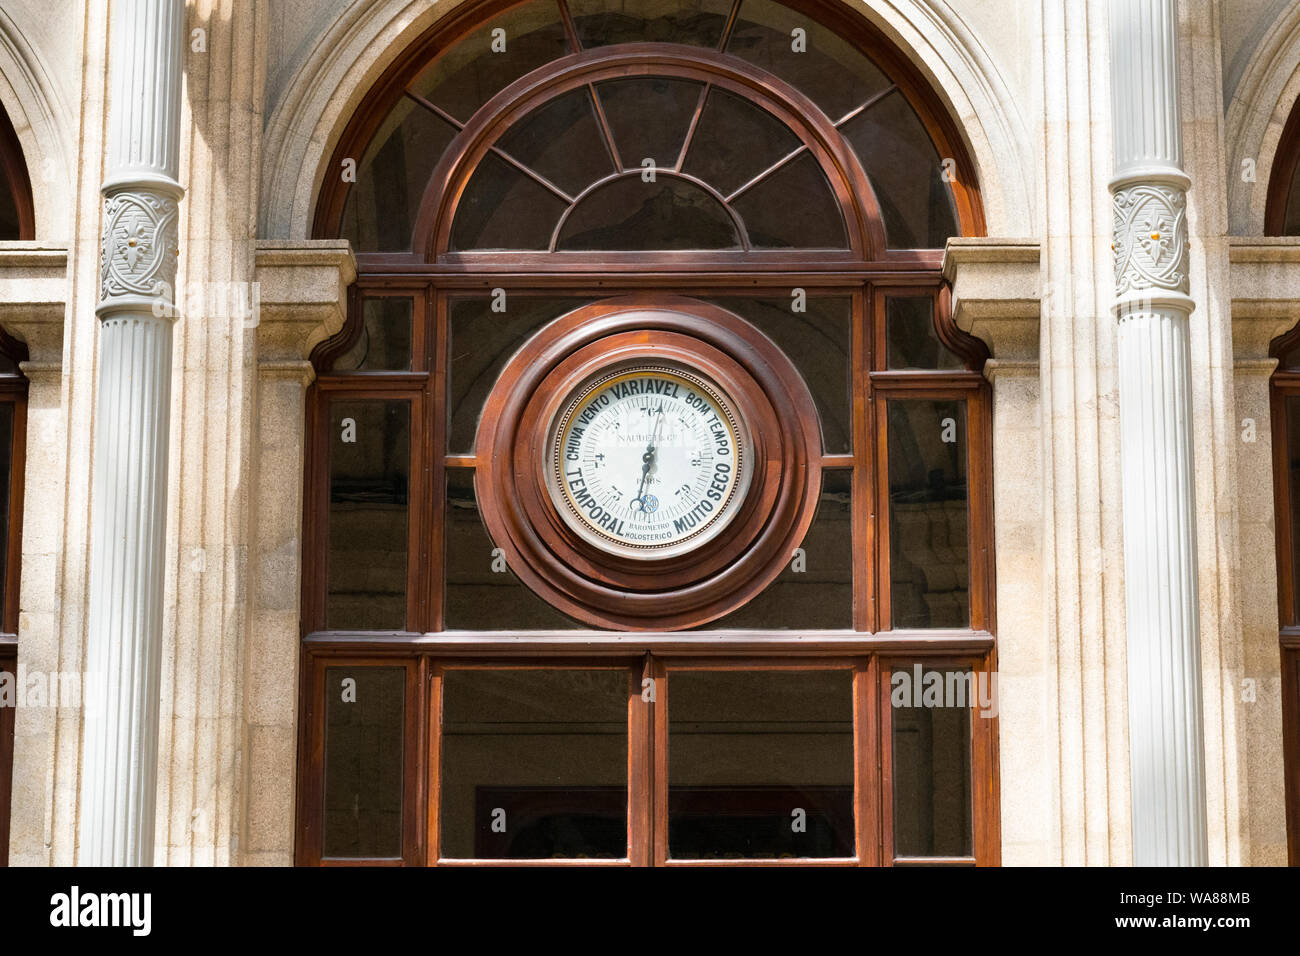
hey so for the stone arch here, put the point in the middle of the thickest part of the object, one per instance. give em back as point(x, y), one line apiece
point(1267, 93)
point(36, 111)
point(349, 56)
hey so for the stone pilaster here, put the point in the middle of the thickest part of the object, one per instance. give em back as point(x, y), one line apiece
point(303, 302)
point(129, 490)
point(1153, 305)
point(996, 288)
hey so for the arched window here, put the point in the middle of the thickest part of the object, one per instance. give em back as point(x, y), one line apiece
point(733, 206)
point(16, 222)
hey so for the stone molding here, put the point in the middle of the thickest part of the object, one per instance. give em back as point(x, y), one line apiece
point(1264, 282)
point(33, 286)
point(996, 294)
point(302, 288)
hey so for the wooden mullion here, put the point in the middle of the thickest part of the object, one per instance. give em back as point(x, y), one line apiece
point(659, 772)
point(885, 752)
point(866, 763)
point(640, 754)
point(17, 397)
point(864, 520)
point(433, 765)
point(436, 493)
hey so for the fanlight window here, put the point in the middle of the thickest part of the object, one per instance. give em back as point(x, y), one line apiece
point(649, 159)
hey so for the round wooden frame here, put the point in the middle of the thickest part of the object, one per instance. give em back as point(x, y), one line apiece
point(672, 592)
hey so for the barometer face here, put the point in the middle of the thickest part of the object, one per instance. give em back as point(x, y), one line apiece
point(648, 460)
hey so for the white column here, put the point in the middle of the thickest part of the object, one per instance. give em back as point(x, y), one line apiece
point(1166, 742)
point(129, 490)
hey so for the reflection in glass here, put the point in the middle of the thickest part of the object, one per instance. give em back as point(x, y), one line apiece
point(534, 764)
point(364, 721)
point(482, 592)
point(649, 117)
point(504, 208)
point(482, 341)
point(561, 141)
point(815, 590)
point(8, 211)
point(605, 22)
point(760, 764)
point(931, 763)
point(471, 71)
point(380, 211)
point(384, 343)
point(929, 546)
point(632, 215)
point(793, 208)
point(819, 341)
point(1293, 476)
point(830, 71)
point(906, 174)
point(1291, 218)
point(735, 141)
point(911, 341)
point(370, 467)
point(6, 482)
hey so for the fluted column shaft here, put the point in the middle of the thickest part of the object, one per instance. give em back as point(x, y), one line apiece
point(1166, 741)
point(129, 491)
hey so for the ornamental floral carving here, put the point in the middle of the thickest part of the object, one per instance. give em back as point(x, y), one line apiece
point(1151, 245)
point(138, 256)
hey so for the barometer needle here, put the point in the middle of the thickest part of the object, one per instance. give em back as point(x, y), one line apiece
point(648, 459)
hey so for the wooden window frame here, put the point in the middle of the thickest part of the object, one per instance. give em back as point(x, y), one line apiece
point(1283, 384)
point(871, 663)
point(13, 390)
point(430, 277)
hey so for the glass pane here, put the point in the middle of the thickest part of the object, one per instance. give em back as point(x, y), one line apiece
point(649, 117)
point(1293, 476)
point(830, 70)
point(385, 340)
point(911, 342)
point(929, 547)
point(793, 208)
point(364, 722)
point(815, 591)
point(482, 64)
point(760, 764)
point(503, 208)
point(482, 341)
point(562, 142)
point(370, 468)
point(604, 22)
point(931, 760)
point(906, 174)
point(1291, 221)
point(482, 593)
point(6, 481)
point(534, 764)
point(631, 215)
point(8, 211)
point(819, 340)
point(735, 141)
point(383, 203)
